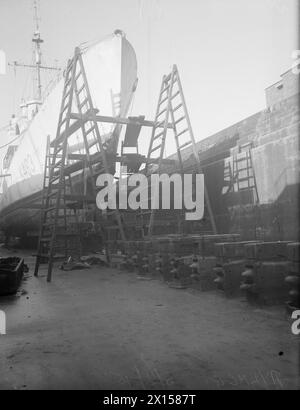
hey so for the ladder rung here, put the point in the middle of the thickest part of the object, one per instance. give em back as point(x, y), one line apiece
point(78, 75)
point(58, 149)
point(244, 179)
point(155, 149)
point(175, 95)
point(83, 102)
point(247, 144)
point(68, 81)
point(177, 107)
point(185, 144)
point(93, 143)
point(168, 77)
point(90, 130)
point(55, 178)
point(70, 65)
point(246, 188)
point(242, 158)
point(66, 94)
point(51, 158)
point(165, 89)
point(244, 169)
point(179, 119)
point(159, 124)
point(56, 186)
point(62, 111)
point(158, 135)
point(81, 88)
point(61, 119)
point(51, 194)
point(182, 132)
point(163, 100)
point(69, 68)
point(50, 209)
point(161, 112)
point(56, 165)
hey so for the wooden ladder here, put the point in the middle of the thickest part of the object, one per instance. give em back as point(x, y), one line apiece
point(60, 203)
point(244, 170)
point(172, 109)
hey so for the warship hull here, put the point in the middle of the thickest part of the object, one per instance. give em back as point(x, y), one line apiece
point(111, 71)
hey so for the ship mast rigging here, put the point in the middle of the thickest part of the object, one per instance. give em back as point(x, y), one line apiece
point(37, 40)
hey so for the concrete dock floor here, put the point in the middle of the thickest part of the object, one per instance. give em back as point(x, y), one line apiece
point(105, 329)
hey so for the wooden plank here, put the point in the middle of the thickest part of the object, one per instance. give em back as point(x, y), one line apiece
point(83, 198)
point(73, 128)
point(117, 120)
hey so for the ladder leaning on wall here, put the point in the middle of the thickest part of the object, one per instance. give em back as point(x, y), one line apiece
point(60, 204)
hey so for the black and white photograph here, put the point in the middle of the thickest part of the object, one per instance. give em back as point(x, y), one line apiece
point(149, 198)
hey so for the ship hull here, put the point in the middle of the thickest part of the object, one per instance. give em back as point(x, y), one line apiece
point(111, 71)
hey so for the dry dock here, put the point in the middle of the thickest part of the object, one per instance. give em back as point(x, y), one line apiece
point(105, 329)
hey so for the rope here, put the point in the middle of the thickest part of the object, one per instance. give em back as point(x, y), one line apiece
point(87, 44)
point(5, 145)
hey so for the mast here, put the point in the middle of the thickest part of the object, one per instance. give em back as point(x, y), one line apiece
point(38, 53)
point(38, 67)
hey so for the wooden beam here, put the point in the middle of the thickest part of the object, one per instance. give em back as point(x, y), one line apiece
point(32, 206)
point(117, 120)
point(80, 198)
point(143, 159)
point(73, 128)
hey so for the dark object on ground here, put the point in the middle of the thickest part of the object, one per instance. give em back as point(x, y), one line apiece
point(73, 265)
point(11, 274)
point(85, 262)
point(94, 260)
